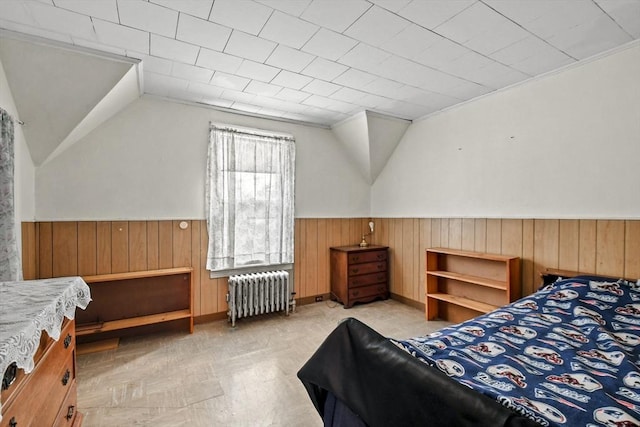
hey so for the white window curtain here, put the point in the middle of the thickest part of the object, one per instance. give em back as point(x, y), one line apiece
point(250, 199)
point(10, 264)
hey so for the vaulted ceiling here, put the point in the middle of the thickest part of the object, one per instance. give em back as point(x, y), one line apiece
point(327, 62)
point(323, 61)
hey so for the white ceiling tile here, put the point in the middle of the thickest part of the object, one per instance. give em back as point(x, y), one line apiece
point(441, 52)
point(263, 89)
point(404, 110)
point(16, 11)
point(376, 26)
point(62, 21)
point(403, 70)
point(155, 64)
point(391, 5)
point(244, 15)
point(364, 57)
point(336, 15)
point(466, 65)
point(495, 75)
point(591, 37)
point(173, 49)
point(185, 95)
point(329, 44)
point(289, 58)
point(291, 80)
point(199, 8)
point(201, 32)
point(625, 12)
point(218, 61)
point(354, 78)
point(38, 32)
point(120, 36)
point(291, 7)
point(161, 84)
point(191, 72)
point(103, 9)
point(256, 71)
point(467, 90)
point(288, 30)
point(432, 13)
point(324, 69)
point(425, 98)
point(383, 87)
point(546, 18)
point(318, 101)
point(410, 41)
point(248, 46)
point(347, 94)
point(206, 90)
point(372, 101)
point(100, 47)
point(292, 95)
point(239, 96)
point(320, 87)
point(470, 23)
point(532, 56)
point(229, 81)
point(149, 17)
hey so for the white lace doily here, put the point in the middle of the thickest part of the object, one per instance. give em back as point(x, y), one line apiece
point(29, 307)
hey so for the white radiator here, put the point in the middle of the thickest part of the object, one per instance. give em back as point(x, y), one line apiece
point(258, 293)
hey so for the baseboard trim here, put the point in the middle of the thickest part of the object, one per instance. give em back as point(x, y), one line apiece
point(407, 301)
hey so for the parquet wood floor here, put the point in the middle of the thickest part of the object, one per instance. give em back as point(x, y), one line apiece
point(223, 376)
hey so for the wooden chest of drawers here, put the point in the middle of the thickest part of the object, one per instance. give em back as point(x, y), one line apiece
point(359, 274)
point(46, 396)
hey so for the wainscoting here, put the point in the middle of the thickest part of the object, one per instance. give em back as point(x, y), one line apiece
point(608, 247)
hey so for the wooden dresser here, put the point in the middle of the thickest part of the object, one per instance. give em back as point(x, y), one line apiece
point(359, 274)
point(38, 351)
point(47, 396)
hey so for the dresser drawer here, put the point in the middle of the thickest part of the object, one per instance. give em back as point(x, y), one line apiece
point(367, 291)
point(367, 279)
point(43, 390)
point(370, 256)
point(371, 267)
point(46, 346)
point(69, 408)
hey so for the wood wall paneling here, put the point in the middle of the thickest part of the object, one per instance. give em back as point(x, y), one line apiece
point(609, 247)
point(632, 249)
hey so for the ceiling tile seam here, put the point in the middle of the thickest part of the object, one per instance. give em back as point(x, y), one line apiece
point(528, 31)
point(612, 19)
point(265, 23)
point(358, 18)
point(537, 77)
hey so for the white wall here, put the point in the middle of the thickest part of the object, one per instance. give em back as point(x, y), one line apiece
point(148, 162)
point(24, 179)
point(566, 145)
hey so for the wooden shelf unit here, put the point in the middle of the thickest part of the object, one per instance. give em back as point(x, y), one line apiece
point(121, 301)
point(464, 284)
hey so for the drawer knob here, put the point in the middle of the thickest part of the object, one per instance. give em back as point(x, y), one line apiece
point(354, 270)
point(356, 258)
point(67, 341)
point(9, 376)
point(65, 377)
point(356, 293)
point(380, 266)
point(13, 422)
point(380, 256)
point(70, 412)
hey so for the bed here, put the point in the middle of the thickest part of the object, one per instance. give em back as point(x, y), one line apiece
point(566, 355)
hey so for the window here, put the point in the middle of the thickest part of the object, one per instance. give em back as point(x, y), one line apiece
point(250, 199)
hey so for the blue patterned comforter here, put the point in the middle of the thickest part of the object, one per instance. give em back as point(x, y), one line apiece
point(564, 356)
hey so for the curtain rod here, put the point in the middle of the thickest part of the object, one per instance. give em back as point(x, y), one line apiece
point(255, 132)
